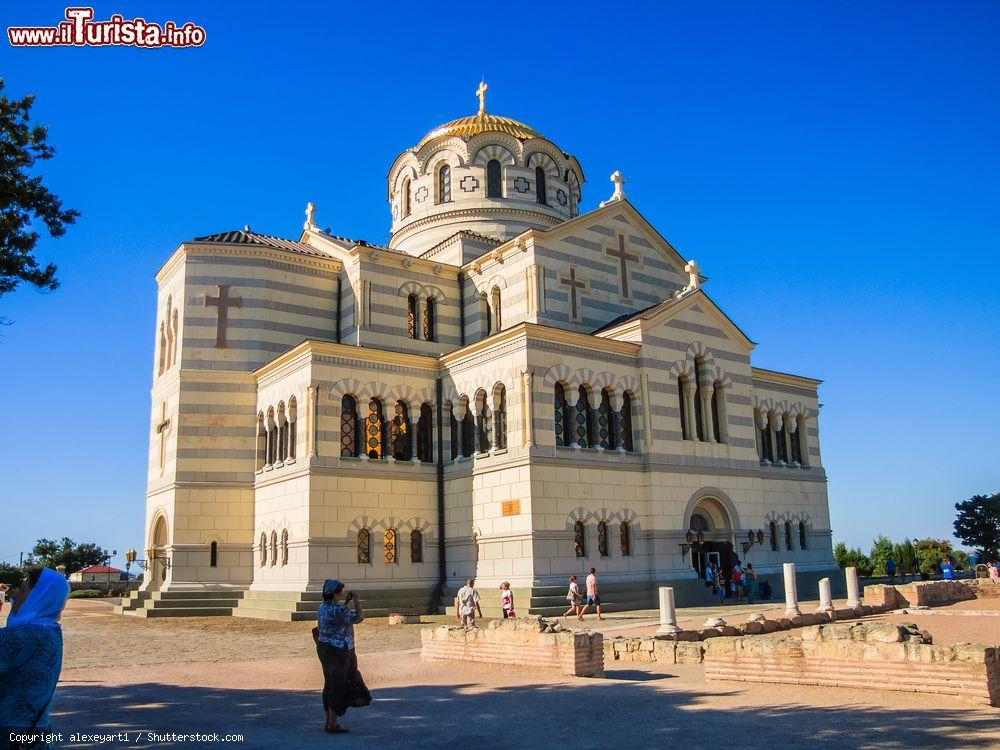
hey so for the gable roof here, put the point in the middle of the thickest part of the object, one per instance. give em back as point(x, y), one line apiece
point(246, 237)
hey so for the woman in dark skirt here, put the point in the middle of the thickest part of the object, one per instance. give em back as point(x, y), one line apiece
point(343, 686)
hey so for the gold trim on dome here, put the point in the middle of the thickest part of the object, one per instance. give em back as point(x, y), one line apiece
point(466, 127)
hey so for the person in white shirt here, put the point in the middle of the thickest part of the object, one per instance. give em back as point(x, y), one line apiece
point(573, 597)
point(506, 601)
point(467, 604)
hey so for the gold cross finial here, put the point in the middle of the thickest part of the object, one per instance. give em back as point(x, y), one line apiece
point(481, 93)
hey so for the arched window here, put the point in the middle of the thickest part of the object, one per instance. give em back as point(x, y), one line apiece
point(602, 538)
point(626, 539)
point(626, 417)
point(429, 320)
point(484, 423)
point(282, 432)
point(563, 436)
point(605, 422)
point(500, 417)
point(580, 538)
point(389, 546)
point(272, 437)
point(468, 433)
point(375, 430)
point(487, 313)
point(213, 555)
point(456, 438)
point(699, 425)
point(425, 434)
point(400, 433)
point(682, 405)
point(584, 419)
point(163, 348)
point(274, 548)
point(718, 412)
point(765, 440)
point(173, 348)
point(494, 184)
point(284, 547)
point(416, 546)
point(788, 535)
point(540, 192)
point(495, 308)
point(794, 439)
point(802, 534)
point(263, 549)
point(411, 315)
point(779, 438)
point(261, 441)
point(444, 184)
point(364, 546)
point(170, 341)
point(404, 201)
point(349, 427)
point(773, 528)
point(293, 413)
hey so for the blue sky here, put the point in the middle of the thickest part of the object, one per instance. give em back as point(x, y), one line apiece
point(832, 167)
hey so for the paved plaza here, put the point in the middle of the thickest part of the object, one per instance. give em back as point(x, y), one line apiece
point(261, 679)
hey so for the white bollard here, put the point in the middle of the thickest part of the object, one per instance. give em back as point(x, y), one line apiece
point(853, 591)
point(791, 593)
point(668, 613)
point(825, 598)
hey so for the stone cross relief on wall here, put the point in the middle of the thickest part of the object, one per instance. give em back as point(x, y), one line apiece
point(223, 301)
point(623, 259)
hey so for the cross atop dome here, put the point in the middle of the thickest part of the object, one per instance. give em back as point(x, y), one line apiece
point(481, 93)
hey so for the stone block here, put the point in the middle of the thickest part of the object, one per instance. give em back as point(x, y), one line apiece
point(689, 652)
point(753, 628)
point(883, 633)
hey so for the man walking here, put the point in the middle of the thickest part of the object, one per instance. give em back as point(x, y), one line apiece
point(467, 604)
point(593, 598)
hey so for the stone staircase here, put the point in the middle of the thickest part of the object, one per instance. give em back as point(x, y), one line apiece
point(180, 603)
point(290, 606)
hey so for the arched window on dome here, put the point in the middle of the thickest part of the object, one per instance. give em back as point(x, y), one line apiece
point(444, 184)
point(495, 309)
point(404, 200)
point(540, 191)
point(494, 180)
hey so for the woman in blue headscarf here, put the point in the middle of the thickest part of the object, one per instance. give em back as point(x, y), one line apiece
point(343, 685)
point(31, 653)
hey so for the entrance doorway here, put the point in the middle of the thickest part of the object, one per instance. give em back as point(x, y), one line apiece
point(721, 553)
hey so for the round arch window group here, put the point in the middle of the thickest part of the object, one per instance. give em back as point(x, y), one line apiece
point(578, 425)
point(270, 553)
point(276, 434)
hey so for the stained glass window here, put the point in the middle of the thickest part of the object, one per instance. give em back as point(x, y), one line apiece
point(429, 322)
point(500, 419)
point(765, 441)
point(796, 445)
point(540, 192)
point(374, 429)
point(411, 316)
point(348, 427)
point(494, 186)
point(400, 433)
point(802, 534)
point(405, 202)
point(484, 423)
point(682, 407)
point(584, 420)
point(416, 546)
point(626, 539)
point(779, 436)
point(468, 434)
point(364, 546)
point(389, 547)
point(626, 417)
point(605, 428)
point(602, 538)
point(444, 184)
point(562, 435)
point(699, 427)
point(580, 538)
point(425, 434)
point(788, 535)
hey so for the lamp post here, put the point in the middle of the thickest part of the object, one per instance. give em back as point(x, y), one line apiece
point(752, 539)
point(130, 555)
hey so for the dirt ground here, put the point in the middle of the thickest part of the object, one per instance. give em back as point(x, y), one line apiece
point(261, 680)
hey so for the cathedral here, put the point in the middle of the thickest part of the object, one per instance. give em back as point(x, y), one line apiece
point(511, 389)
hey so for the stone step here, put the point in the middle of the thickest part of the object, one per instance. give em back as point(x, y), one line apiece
point(182, 612)
point(192, 603)
point(206, 594)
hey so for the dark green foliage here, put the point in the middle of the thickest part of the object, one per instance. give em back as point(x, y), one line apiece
point(978, 523)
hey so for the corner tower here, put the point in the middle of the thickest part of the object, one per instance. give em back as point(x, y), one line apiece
point(484, 174)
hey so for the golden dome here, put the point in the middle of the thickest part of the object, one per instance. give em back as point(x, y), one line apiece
point(465, 127)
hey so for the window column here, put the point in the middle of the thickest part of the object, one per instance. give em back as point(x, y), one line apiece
point(689, 415)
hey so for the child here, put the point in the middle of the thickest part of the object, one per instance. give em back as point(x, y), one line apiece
point(506, 601)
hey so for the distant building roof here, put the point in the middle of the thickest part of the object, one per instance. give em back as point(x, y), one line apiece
point(100, 569)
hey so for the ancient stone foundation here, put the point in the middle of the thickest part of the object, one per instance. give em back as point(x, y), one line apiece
point(930, 593)
point(862, 656)
point(525, 642)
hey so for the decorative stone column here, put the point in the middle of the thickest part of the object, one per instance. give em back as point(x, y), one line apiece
point(689, 415)
point(311, 405)
point(825, 599)
point(412, 427)
point(527, 409)
point(791, 592)
point(668, 613)
point(853, 590)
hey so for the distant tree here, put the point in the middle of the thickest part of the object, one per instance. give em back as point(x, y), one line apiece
point(852, 558)
point(978, 523)
point(906, 557)
point(882, 550)
point(24, 197)
point(51, 553)
point(10, 575)
point(930, 553)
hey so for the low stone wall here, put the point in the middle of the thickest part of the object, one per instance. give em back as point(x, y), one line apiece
point(862, 656)
point(525, 642)
point(931, 593)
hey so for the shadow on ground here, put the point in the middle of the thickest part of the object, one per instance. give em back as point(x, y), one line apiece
point(578, 714)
